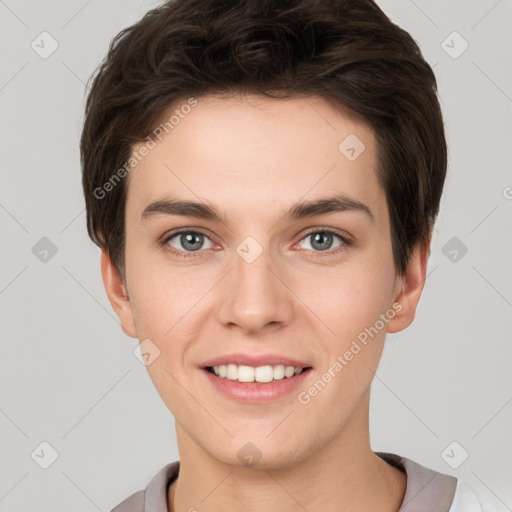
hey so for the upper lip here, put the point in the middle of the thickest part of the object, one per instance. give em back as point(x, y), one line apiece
point(254, 360)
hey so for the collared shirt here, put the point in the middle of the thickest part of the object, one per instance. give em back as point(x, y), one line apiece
point(426, 490)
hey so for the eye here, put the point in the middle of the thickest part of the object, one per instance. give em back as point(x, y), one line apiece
point(187, 241)
point(322, 241)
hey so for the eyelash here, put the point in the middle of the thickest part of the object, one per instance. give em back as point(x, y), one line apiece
point(315, 254)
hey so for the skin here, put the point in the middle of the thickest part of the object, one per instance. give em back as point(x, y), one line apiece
point(254, 157)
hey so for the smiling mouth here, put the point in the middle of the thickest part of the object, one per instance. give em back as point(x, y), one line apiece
point(259, 374)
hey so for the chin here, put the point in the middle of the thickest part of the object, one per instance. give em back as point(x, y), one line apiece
point(261, 454)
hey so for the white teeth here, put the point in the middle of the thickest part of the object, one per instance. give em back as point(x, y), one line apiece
point(265, 373)
point(289, 371)
point(279, 372)
point(232, 372)
point(245, 374)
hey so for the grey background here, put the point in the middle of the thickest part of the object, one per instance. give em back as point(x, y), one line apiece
point(68, 374)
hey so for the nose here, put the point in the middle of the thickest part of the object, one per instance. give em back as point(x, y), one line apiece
point(255, 296)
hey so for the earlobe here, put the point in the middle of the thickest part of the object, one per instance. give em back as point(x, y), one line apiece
point(411, 286)
point(117, 295)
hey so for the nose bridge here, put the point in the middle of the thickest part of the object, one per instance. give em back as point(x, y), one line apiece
point(254, 297)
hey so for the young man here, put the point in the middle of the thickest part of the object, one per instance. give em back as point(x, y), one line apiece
point(263, 178)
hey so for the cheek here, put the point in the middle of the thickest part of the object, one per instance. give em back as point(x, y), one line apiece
point(154, 294)
point(349, 300)
point(166, 303)
point(152, 308)
point(351, 306)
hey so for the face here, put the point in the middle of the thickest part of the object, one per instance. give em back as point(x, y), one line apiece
point(285, 261)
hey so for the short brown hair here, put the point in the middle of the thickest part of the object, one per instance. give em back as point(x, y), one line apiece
point(346, 51)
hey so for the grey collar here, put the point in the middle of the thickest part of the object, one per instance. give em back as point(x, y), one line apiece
point(426, 491)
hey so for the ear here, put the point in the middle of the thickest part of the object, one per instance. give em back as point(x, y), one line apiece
point(409, 287)
point(116, 292)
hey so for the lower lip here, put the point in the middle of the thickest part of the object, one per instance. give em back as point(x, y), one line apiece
point(256, 392)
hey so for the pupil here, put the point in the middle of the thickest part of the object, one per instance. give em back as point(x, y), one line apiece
point(187, 241)
point(322, 236)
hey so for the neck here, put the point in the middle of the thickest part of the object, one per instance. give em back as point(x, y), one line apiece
point(343, 475)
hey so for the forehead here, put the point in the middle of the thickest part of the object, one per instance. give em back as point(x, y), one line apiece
point(250, 152)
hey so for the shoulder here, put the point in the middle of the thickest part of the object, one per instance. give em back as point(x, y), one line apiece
point(465, 499)
point(154, 497)
point(134, 503)
point(431, 491)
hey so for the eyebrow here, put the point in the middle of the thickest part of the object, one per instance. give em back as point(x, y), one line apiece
point(299, 210)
